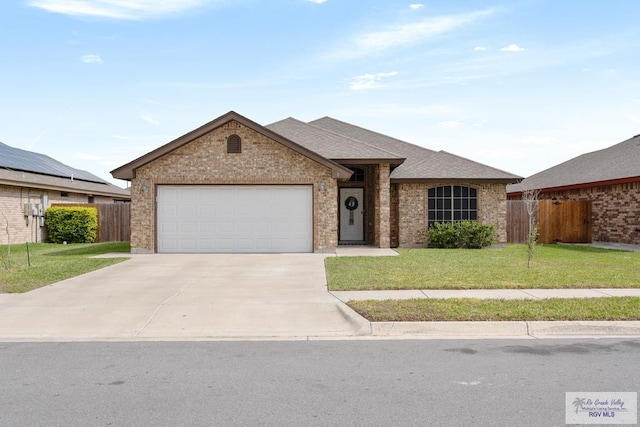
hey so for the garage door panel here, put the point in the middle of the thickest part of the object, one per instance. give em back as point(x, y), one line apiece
point(235, 219)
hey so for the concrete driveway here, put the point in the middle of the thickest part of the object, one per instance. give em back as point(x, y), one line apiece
point(160, 296)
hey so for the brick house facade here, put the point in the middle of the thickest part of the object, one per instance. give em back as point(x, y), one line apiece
point(390, 209)
point(608, 178)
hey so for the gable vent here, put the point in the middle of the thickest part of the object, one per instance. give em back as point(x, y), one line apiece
point(234, 144)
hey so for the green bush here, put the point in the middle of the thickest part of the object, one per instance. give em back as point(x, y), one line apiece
point(71, 224)
point(462, 234)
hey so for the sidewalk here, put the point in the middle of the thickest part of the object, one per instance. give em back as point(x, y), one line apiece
point(346, 296)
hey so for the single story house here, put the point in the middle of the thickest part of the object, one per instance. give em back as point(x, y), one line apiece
point(608, 178)
point(31, 182)
point(233, 185)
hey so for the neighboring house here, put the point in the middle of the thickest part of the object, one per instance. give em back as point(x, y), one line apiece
point(233, 185)
point(31, 182)
point(608, 178)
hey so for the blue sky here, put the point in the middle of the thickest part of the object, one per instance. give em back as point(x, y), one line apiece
point(518, 85)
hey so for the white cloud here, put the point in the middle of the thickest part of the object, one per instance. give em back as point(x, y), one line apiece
point(512, 48)
point(451, 124)
point(91, 59)
point(147, 118)
point(370, 81)
point(410, 33)
point(120, 9)
point(317, 1)
point(416, 5)
point(479, 48)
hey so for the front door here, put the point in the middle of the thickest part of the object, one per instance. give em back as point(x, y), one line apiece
point(352, 214)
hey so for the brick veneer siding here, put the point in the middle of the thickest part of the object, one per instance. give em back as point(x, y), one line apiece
point(206, 161)
point(12, 201)
point(615, 210)
point(412, 209)
point(382, 198)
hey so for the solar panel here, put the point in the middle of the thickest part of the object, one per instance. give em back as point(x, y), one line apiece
point(27, 161)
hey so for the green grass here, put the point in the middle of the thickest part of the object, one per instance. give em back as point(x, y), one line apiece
point(553, 266)
point(469, 309)
point(51, 263)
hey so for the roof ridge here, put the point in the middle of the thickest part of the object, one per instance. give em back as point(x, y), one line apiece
point(354, 139)
point(377, 133)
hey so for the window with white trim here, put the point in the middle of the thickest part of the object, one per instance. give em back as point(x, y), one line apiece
point(451, 203)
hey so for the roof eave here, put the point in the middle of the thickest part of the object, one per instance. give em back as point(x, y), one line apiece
point(371, 161)
point(458, 180)
point(582, 185)
point(71, 189)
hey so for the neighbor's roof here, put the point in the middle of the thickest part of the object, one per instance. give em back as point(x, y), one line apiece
point(421, 163)
point(618, 162)
point(21, 168)
point(128, 171)
point(22, 160)
point(46, 182)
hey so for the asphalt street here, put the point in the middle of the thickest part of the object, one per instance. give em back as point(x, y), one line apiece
point(287, 383)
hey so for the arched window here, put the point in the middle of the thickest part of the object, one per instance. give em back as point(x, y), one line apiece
point(451, 203)
point(234, 144)
point(358, 175)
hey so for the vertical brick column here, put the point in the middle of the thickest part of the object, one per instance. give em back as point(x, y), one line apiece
point(383, 206)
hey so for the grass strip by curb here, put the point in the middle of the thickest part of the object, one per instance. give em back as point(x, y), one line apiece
point(471, 309)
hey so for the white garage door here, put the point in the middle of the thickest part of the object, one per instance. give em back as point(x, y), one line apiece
point(235, 218)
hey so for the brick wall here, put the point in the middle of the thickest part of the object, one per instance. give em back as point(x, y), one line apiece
point(206, 161)
point(412, 209)
point(615, 210)
point(21, 230)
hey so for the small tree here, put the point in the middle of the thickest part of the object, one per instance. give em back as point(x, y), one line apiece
point(6, 259)
point(530, 198)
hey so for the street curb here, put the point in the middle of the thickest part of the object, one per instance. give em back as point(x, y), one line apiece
point(501, 329)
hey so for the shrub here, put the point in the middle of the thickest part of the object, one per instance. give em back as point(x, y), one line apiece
point(71, 224)
point(462, 234)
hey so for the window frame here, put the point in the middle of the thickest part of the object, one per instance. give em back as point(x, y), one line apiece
point(451, 203)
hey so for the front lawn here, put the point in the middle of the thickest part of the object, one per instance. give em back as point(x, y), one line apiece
point(51, 263)
point(469, 309)
point(553, 266)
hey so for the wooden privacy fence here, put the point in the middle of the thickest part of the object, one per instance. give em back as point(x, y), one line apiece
point(567, 221)
point(114, 220)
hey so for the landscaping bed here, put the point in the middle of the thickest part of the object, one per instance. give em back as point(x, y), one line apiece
point(51, 263)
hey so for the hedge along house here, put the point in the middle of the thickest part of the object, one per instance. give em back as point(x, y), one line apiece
point(31, 182)
point(609, 179)
point(233, 185)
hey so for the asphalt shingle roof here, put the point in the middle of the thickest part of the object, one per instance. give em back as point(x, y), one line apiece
point(329, 144)
point(619, 161)
point(421, 163)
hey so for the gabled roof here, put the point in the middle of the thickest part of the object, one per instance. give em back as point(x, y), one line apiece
point(128, 171)
point(620, 162)
point(421, 164)
point(27, 161)
point(332, 145)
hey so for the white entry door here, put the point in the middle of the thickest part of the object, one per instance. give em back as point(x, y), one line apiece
point(235, 218)
point(351, 214)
